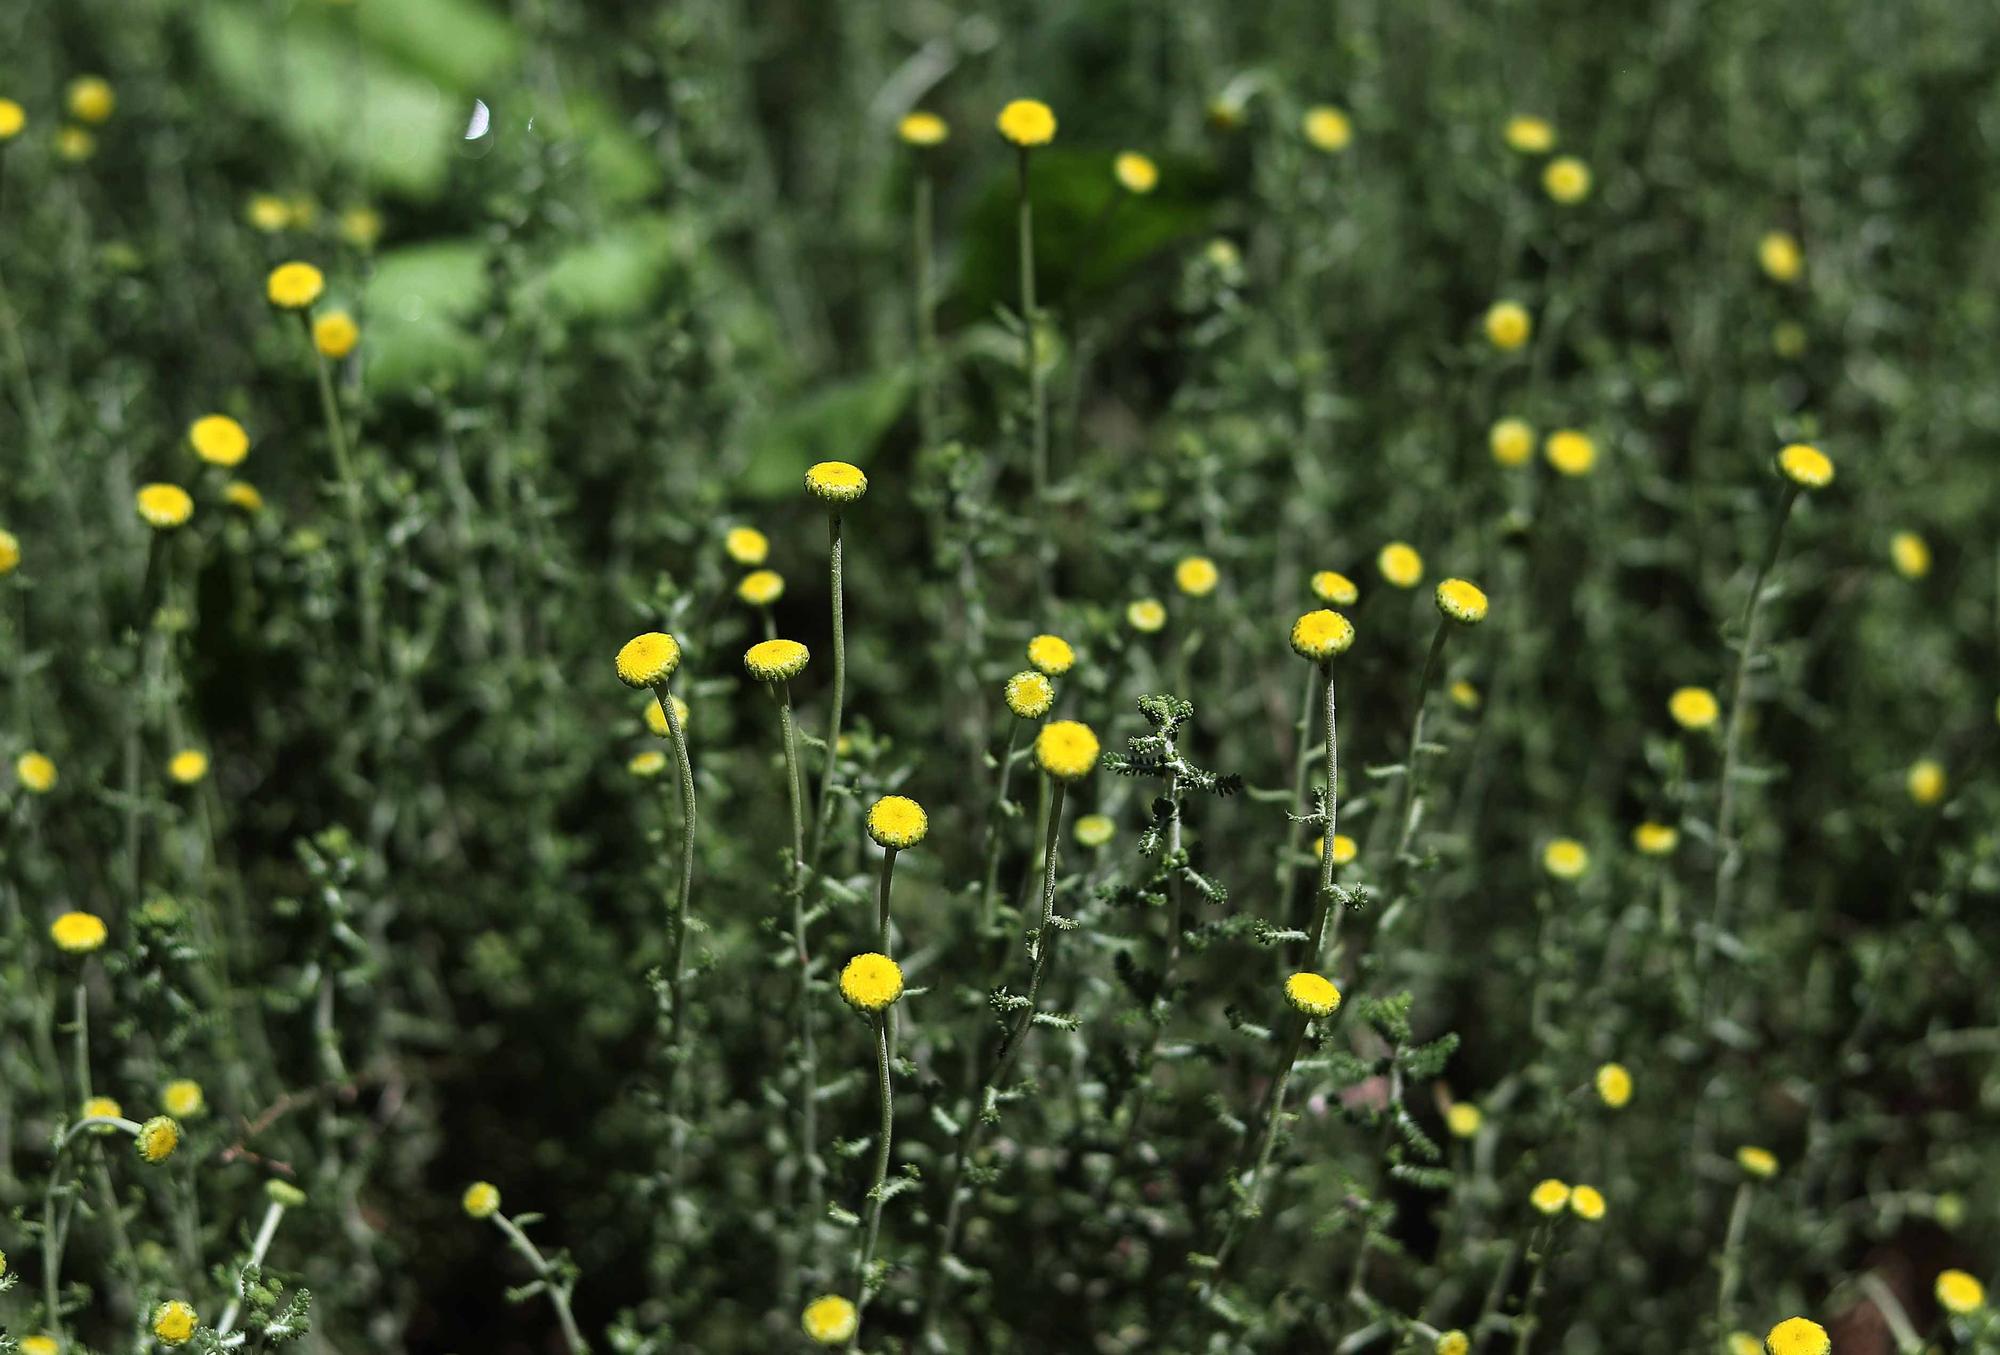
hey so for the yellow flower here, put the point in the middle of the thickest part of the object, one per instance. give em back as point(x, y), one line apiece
point(836, 482)
point(361, 227)
point(1779, 256)
point(174, 1322)
point(1570, 452)
point(1549, 1196)
point(1797, 1336)
point(871, 981)
point(1656, 839)
point(1911, 555)
point(830, 1319)
point(1452, 1342)
point(1135, 173)
point(1094, 830)
point(39, 1344)
point(78, 933)
point(648, 659)
point(1344, 848)
point(1958, 1292)
point(1321, 635)
point(1567, 179)
point(923, 129)
point(74, 144)
point(1693, 707)
point(157, 1139)
point(1400, 565)
point(12, 120)
point(761, 587)
point(1565, 858)
point(746, 545)
point(1464, 695)
point(776, 660)
point(188, 766)
point(37, 772)
point(1806, 466)
point(1327, 128)
point(1742, 1343)
point(100, 1108)
point(481, 1200)
point(182, 1098)
point(1926, 782)
point(164, 506)
point(1030, 694)
point(294, 286)
point(1512, 442)
point(1027, 122)
point(648, 764)
point(1508, 325)
point(1530, 135)
point(1788, 340)
point(10, 552)
point(1462, 601)
point(91, 99)
point(1312, 994)
point(1066, 749)
point(1463, 1119)
point(268, 213)
point(1759, 1162)
point(1614, 1085)
point(1052, 654)
point(1587, 1203)
point(335, 334)
point(242, 494)
point(218, 439)
point(1146, 615)
point(1196, 576)
point(656, 719)
point(897, 822)
point(1335, 588)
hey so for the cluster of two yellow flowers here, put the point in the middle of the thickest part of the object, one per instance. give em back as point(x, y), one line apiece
point(89, 100)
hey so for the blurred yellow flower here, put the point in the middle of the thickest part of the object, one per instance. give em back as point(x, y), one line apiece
point(1694, 707)
point(1655, 839)
point(830, 1320)
point(242, 494)
point(1567, 180)
point(746, 545)
point(1328, 128)
point(1052, 654)
point(91, 99)
point(1508, 325)
point(268, 213)
point(188, 766)
point(1614, 1085)
point(218, 439)
point(1797, 1336)
point(1587, 1203)
point(1570, 452)
point(1512, 442)
point(1146, 615)
point(361, 227)
point(481, 1200)
point(1778, 254)
point(1027, 123)
point(74, 144)
point(335, 334)
point(1806, 466)
point(1926, 781)
point(1135, 173)
point(1333, 587)
point(1960, 1293)
point(1530, 135)
point(10, 552)
point(761, 587)
point(1565, 858)
point(294, 286)
point(1400, 565)
point(1758, 1162)
point(1463, 1119)
point(1345, 849)
point(1094, 830)
point(1197, 576)
point(37, 772)
point(1549, 1196)
point(12, 119)
point(923, 129)
point(164, 506)
point(1066, 749)
point(1911, 555)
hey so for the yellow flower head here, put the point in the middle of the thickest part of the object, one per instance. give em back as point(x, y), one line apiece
point(74, 144)
point(1911, 555)
point(648, 659)
point(335, 334)
point(78, 933)
point(1135, 173)
point(1146, 615)
point(1030, 694)
point(188, 766)
point(218, 439)
point(1512, 442)
point(37, 772)
point(1463, 1119)
point(174, 1322)
point(294, 286)
point(1567, 179)
point(1549, 1196)
point(1463, 602)
point(1530, 135)
point(1742, 1343)
point(1312, 994)
point(897, 822)
point(1400, 565)
point(481, 1200)
point(1960, 1293)
point(647, 764)
point(1453, 1342)
point(1806, 466)
point(100, 1108)
point(268, 213)
point(1798, 1336)
point(1565, 858)
point(1335, 588)
point(12, 120)
point(870, 982)
point(10, 552)
point(1464, 695)
point(836, 482)
point(1052, 654)
point(1570, 452)
point(830, 1319)
point(1344, 848)
point(182, 1098)
point(1614, 1085)
point(1926, 782)
point(1656, 839)
point(1322, 635)
point(1327, 128)
point(776, 660)
point(746, 546)
point(1508, 325)
point(761, 587)
point(1694, 707)
point(1587, 1202)
point(1066, 749)
point(157, 1139)
point(656, 719)
point(1779, 256)
point(1094, 830)
point(361, 227)
point(1027, 122)
point(1759, 1162)
point(164, 506)
point(243, 495)
point(39, 1344)
point(91, 99)
point(923, 129)
point(1197, 576)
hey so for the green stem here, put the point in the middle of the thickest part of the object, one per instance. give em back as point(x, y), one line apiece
point(825, 809)
point(1413, 797)
point(1327, 896)
point(1038, 414)
point(1245, 1206)
point(1732, 1260)
point(802, 956)
point(990, 885)
point(882, 900)
point(558, 1289)
point(1301, 769)
point(1524, 1325)
point(267, 1230)
point(678, 736)
point(350, 490)
point(875, 1201)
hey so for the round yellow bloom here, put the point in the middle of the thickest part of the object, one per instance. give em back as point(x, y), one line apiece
point(1694, 707)
point(1030, 694)
point(871, 981)
point(897, 822)
point(268, 213)
point(335, 334)
point(157, 1139)
point(1779, 256)
point(1926, 782)
point(1312, 994)
point(1549, 1196)
point(1066, 749)
point(12, 120)
point(1462, 601)
point(1806, 466)
point(656, 719)
point(1146, 615)
point(836, 482)
point(1742, 1343)
point(1135, 173)
point(481, 1200)
point(174, 1322)
point(1400, 565)
point(1759, 1162)
point(923, 129)
point(1344, 848)
point(242, 494)
point(1797, 1336)
point(91, 99)
point(1960, 1293)
point(1508, 325)
point(1587, 1202)
point(1094, 830)
point(218, 439)
point(648, 659)
point(1570, 452)
point(37, 772)
point(1530, 135)
point(1464, 1119)
point(1911, 555)
point(647, 764)
point(1512, 442)
point(1656, 839)
point(1565, 858)
point(182, 1098)
point(39, 1344)
point(761, 587)
point(1567, 179)
point(74, 144)
point(1321, 635)
point(78, 933)
point(1464, 695)
point(164, 506)
point(1614, 1085)
point(1327, 128)
point(776, 660)
point(10, 552)
point(746, 546)
point(1052, 654)
point(1335, 588)
point(830, 1319)
point(188, 766)
point(361, 227)
point(294, 286)
point(1027, 122)
point(100, 1108)
point(1197, 576)
point(1452, 1342)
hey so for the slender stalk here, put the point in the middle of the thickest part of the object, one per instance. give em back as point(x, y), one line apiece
point(1732, 1259)
point(1301, 769)
point(882, 900)
point(989, 886)
point(1245, 1206)
point(557, 1289)
point(266, 1230)
point(1413, 795)
point(1038, 412)
point(1538, 1258)
point(802, 956)
point(866, 1255)
point(678, 736)
point(1331, 821)
point(825, 810)
point(782, 694)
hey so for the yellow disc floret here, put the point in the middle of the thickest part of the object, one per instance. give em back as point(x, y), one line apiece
point(78, 933)
point(91, 99)
point(1508, 325)
point(1614, 1085)
point(776, 660)
point(1512, 442)
point(1327, 128)
point(1565, 858)
point(1530, 135)
point(1567, 179)
point(1400, 565)
point(1910, 554)
point(1030, 694)
point(174, 1322)
point(1759, 1162)
point(1462, 601)
point(830, 1320)
point(164, 506)
point(1960, 1293)
point(1197, 576)
point(1052, 654)
point(746, 546)
point(37, 772)
point(157, 1139)
point(1464, 1120)
point(1146, 615)
point(870, 982)
point(481, 1200)
point(188, 766)
point(335, 334)
point(1321, 635)
point(1798, 1336)
point(923, 129)
point(648, 659)
point(1694, 707)
point(1135, 173)
point(836, 482)
point(1312, 994)
point(1066, 749)
point(897, 822)
point(1027, 122)
point(182, 1098)
point(1806, 466)
point(1344, 848)
point(1334, 588)
point(1549, 1196)
point(1926, 782)
point(1094, 830)
point(294, 286)
point(1587, 1202)
point(218, 440)
point(1571, 452)
point(761, 587)
point(1656, 839)
point(1778, 254)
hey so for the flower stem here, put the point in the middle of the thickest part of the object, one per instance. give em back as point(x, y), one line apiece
point(1038, 413)
point(267, 1230)
point(867, 1253)
point(350, 491)
point(1732, 1260)
point(802, 956)
point(557, 1289)
point(678, 736)
point(1332, 819)
point(994, 838)
point(825, 809)
point(1301, 768)
point(1538, 1257)
point(1245, 1205)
